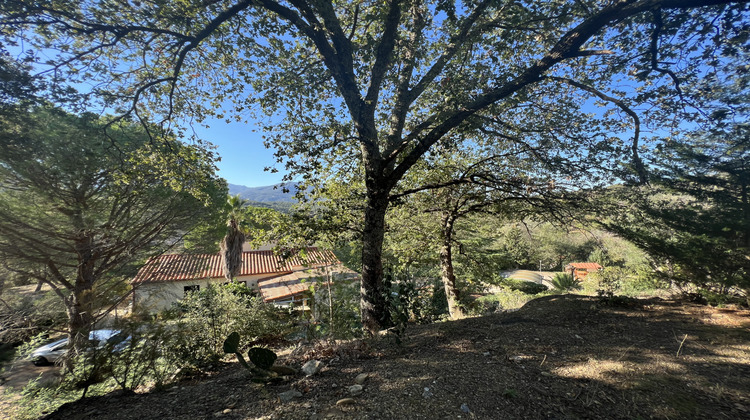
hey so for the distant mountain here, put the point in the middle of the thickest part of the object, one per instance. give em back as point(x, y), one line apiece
point(267, 194)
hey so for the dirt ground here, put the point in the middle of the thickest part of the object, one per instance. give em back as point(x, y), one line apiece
point(558, 357)
point(17, 376)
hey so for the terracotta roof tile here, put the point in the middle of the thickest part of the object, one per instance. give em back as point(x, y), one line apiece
point(177, 267)
point(286, 285)
point(292, 284)
point(586, 266)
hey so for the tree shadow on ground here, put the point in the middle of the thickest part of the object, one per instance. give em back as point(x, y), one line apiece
point(558, 357)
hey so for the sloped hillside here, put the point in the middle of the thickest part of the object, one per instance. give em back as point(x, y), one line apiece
point(559, 357)
point(265, 194)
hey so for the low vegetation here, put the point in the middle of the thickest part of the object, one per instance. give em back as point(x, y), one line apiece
point(436, 147)
point(565, 282)
point(569, 355)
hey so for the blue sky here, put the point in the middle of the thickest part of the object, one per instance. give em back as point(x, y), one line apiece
point(240, 145)
point(243, 155)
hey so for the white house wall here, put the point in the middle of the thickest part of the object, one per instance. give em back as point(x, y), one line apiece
point(156, 297)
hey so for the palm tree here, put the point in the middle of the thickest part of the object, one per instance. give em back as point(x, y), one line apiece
point(231, 245)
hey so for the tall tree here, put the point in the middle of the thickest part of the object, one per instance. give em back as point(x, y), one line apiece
point(233, 241)
point(79, 210)
point(696, 216)
point(496, 180)
point(385, 82)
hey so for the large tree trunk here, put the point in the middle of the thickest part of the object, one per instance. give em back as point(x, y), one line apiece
point(373, 303)
point(446, 268)
point(80, 305)
point(80, 320)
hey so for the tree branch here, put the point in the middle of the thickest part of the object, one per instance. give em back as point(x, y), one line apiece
point(637, 162)
point(341, 67)
point(383, 56)
point(654, 52)
point(567, 47)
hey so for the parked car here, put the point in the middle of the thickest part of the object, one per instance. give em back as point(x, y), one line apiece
point(51, 352)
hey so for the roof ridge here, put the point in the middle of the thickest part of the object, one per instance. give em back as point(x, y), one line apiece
point(180, 267)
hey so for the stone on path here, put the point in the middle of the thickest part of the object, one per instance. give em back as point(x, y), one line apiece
point(312, 367)
point(346, 401)
point(355, 390)
point(361, 378)
point(289, 395)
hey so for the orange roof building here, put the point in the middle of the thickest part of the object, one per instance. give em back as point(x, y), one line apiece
point(581, 270)
point(166, 278)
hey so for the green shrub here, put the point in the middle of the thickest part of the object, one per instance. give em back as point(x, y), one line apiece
point(88, 377)
point(210, 315)
point(336, 315)
point(156, 351)
point(36, 401)
point(564, 282)
point(609, 280)
point(643, 280)
point(423, 304)
point(721, 298)
point(400, 297)
point(525, 286)
point(143, 355)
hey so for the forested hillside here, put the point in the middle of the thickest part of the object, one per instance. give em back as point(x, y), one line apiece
point(267, 194)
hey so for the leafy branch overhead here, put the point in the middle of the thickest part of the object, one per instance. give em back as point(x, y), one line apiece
point(76, 217)
point(580, 85)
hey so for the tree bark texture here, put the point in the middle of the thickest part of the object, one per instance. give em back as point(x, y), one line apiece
point(80, 321)
point(373, 297)
point(79, 304)
point(446, 269)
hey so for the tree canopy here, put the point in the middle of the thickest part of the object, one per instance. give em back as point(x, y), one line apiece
point(386, 82)
point(696, 218)
point(79, 210)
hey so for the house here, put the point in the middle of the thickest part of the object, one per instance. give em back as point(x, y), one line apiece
point(581, 270)
point(282, 281)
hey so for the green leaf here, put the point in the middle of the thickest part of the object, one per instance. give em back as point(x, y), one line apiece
point(263, 358)
point(232, 343)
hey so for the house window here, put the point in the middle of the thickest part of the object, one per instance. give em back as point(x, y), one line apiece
point(191, 288)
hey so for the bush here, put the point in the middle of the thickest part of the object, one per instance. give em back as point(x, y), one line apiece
point(143, 355)
point(420, 300)
point(528, 287)
point(424, 304)
point(640, 281)
point(721, 299)
point(336, 314)
point(37, 401)
point(153, 354)
point(609, 280)
point(208, 316)
point(564, 282)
